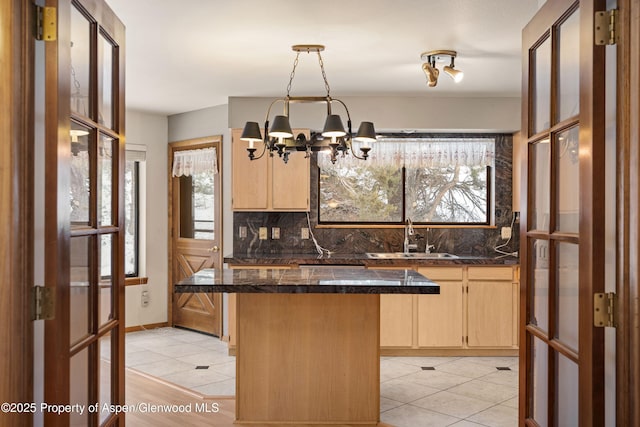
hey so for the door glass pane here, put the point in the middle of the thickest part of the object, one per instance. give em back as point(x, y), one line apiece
point(105, 180)
point(105, 308)
point(80, 56)
point(568, 281)
point(79, 387)
point(541, 96)
point(197, 197)
point(569, 67)
point(540, 272)
point(105, 106)
point(539, 185)
point(568, 174)
point(567, 392)
point(105, 373)
point(80, 296)
point(79, 175)
point(540, 360)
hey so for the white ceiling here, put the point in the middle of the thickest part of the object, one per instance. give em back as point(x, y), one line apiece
point(184, 55)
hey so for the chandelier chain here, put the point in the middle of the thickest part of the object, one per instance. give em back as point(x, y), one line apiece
point(324, 75)
point(293, 73)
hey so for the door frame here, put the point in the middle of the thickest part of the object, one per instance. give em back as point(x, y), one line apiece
point(628, 233)
point(191, 144)
point(16, 207)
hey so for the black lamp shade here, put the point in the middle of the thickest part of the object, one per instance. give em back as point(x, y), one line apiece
point(366, 132)
point(251, 132)
point(281, 127)
point(333, 126)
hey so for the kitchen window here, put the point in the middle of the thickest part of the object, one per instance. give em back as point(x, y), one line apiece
point(428, 179)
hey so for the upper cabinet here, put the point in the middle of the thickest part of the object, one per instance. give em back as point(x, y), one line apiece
point(269, 184)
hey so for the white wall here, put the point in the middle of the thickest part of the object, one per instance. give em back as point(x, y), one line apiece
point(151, 131)
point(393, 113)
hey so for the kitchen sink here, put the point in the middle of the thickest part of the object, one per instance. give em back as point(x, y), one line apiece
point(409, 255)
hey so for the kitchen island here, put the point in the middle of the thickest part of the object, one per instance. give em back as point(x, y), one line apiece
point(308, 340)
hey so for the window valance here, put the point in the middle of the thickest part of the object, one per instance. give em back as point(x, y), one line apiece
point(425, 152)
point(191, 162)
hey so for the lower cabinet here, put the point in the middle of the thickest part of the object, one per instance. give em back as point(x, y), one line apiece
point(475, 313)
point(396, 320)
point(440, 317)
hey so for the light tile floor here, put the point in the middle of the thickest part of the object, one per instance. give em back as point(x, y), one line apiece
point(459, 391)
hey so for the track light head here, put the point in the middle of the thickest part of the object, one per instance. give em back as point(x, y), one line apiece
point(432, 74)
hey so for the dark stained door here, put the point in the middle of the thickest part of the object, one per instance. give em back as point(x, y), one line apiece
point(84, 223)
point(562, 227)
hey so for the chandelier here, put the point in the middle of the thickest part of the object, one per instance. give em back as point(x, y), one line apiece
point(279, 138)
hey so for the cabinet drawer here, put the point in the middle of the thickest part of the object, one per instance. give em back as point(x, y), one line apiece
point(441, 273)
point(490, 273)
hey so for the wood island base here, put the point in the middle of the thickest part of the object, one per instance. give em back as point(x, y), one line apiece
point(308, 359)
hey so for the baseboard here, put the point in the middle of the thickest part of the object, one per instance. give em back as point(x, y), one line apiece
point(434, 352)
point(145, 327)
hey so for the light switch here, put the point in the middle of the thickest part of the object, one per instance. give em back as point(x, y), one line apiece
point(262, 233)
point(275, 233)
point(242, 232)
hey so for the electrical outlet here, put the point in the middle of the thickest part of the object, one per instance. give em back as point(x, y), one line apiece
point(262, 233)
point(144, 298)
point(304, 233)
point(275, 233)
point(242, 232)
point(505, 233)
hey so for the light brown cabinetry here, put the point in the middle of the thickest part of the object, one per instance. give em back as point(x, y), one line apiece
point(396, 320)
point(232, 336)
point(476, 313)
point(440, 317)
point(491, 311)
point(269, 184)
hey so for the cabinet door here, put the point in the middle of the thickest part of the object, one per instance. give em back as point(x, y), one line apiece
point(249, 177)
point(290, 185)
point(440, 317)
point(490, 314)
point(396, 320)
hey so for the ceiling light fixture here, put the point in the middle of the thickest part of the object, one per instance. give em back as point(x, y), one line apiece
point(280, 139)
point(429, 67)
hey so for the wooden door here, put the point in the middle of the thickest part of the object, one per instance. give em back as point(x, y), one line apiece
point(84, 225)
point(562, 224)
point(195, 232)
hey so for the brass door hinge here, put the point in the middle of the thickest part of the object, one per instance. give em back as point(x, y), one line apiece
point(46, 23)
point(43, 304)
point(605, 27)
point(605, 310)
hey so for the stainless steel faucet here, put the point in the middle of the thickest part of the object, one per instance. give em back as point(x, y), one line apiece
point(428, 247)
point(408, 231)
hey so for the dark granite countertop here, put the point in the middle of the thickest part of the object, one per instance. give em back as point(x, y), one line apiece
point(308, 280)
point(362, 260)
